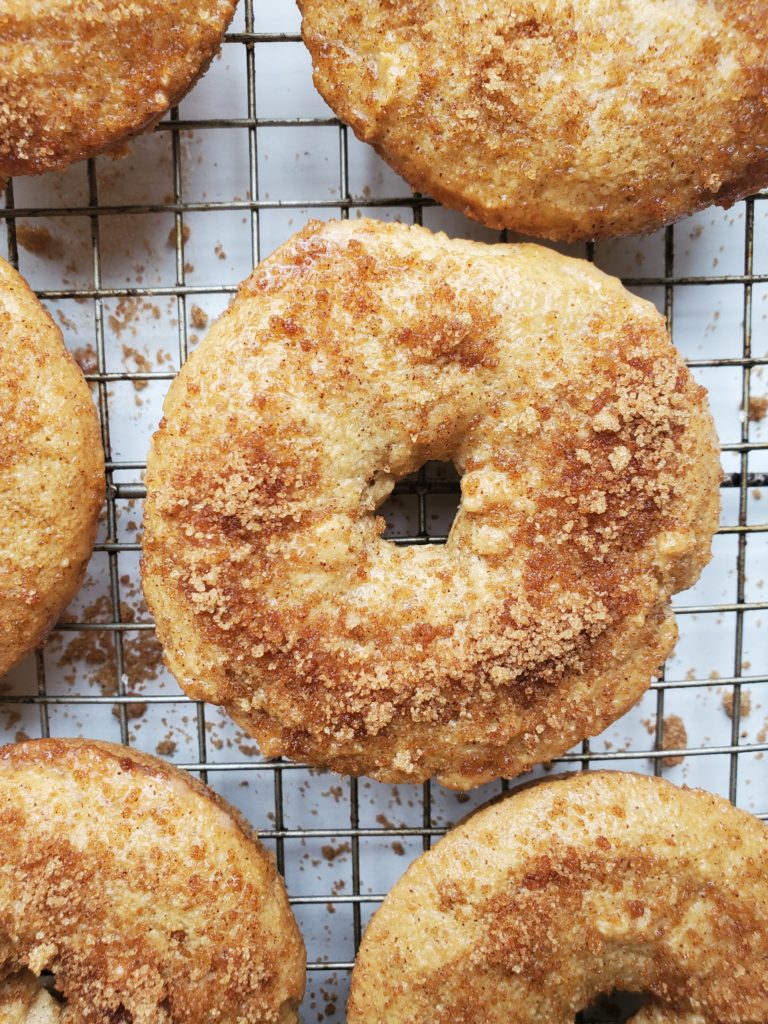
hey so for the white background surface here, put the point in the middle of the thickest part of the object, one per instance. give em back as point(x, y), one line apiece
point(307, 163)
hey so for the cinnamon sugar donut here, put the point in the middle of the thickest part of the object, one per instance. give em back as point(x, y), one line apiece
point(51, 471)
point(577, 119)
point(80, 76)
point(353, 355)
point(568, 889)
point(147, 896)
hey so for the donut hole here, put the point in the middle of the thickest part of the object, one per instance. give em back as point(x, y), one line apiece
point(612, 1008)
point(421, 507)
point(48, 982)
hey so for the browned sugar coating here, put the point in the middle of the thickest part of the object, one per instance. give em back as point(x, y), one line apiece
point(51, 471)
point(559, 118)
point(353, 355)
point(79, 76)
point(572, 888)
point(146, 895)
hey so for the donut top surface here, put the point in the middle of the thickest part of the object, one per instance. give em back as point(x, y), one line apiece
point(563, 119)
point(78, 76)
point(568, 889)
point(51, 471)
point(353, 355)
point(146, 895)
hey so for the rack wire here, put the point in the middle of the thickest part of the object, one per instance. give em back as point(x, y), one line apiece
point(360, 839)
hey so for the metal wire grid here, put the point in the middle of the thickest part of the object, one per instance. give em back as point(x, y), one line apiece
point(421, 487)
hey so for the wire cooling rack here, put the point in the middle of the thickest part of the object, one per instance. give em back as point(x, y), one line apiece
point(134, 258)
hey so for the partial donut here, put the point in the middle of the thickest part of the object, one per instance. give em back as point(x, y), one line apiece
point(568, 889)
point(148, 897)
point(80, 76)
point(51, 471)
point(353, 355)
point(565, 120)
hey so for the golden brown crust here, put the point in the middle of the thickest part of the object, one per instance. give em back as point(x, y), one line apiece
point(572, 888)
point(353, 355)
point(79, 76)
point(51, 471)
point(566, 120)
point(146, 895)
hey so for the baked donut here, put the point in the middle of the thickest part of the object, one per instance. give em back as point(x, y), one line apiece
point(148, 897)
point(353, 355)
point(51, 471)
point(571, 888)
point(80, 76)
point(567, 120)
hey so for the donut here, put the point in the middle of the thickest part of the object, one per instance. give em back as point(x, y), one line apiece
point(81, 76)
point(570, 889)
point(564, 120)
point(146, 895)
point(51, 471)
point(355, 354)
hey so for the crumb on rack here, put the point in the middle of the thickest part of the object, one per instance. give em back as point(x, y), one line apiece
point(64, 320)
point(127, 311)
point(95, 651)
point(198, 318)
point(332, 852)
point(336, 792)
point(185, 233)
point(12, 716)
point(745, 706)
point(758, 408)
point(38, 240)
point(132, 710)
point(761, 737)
point(86, 358)
point(675, 738)
point(141, 365)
